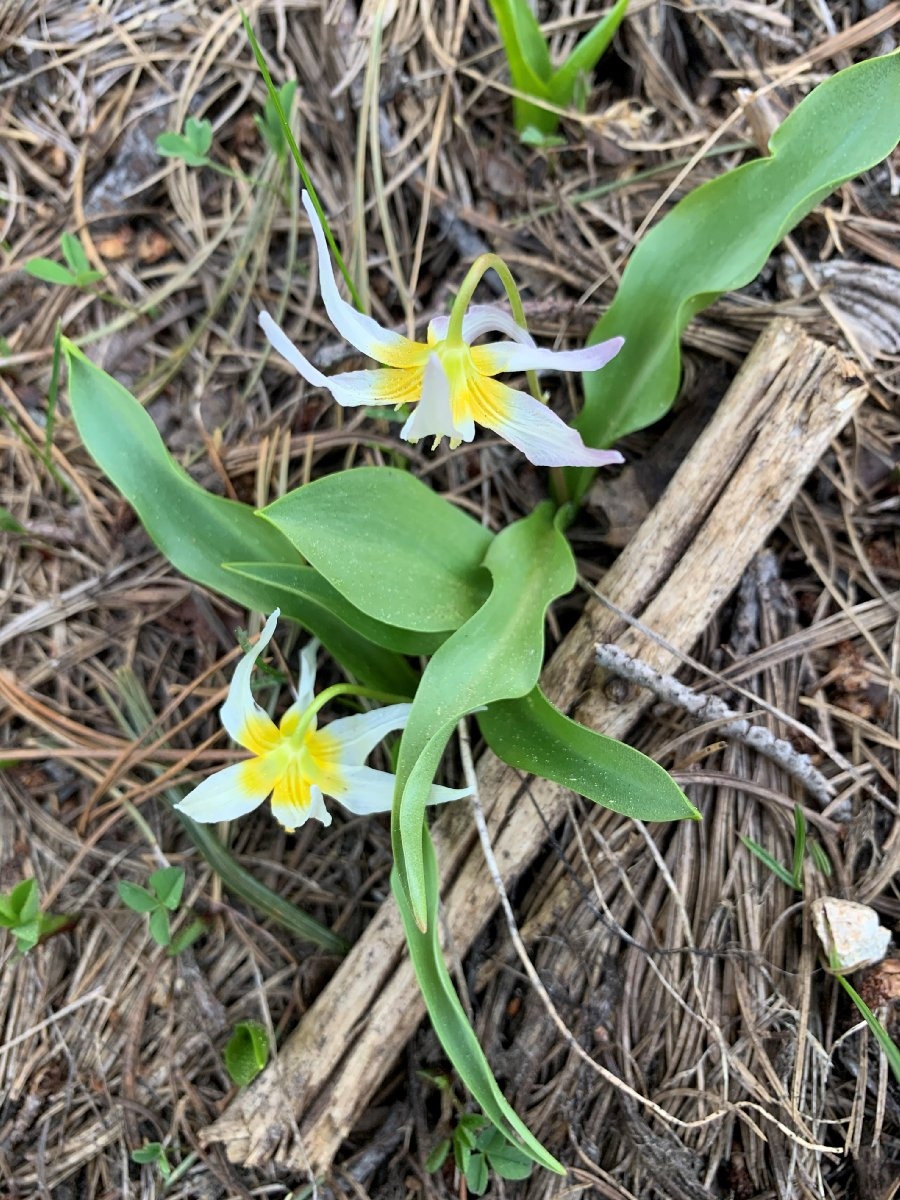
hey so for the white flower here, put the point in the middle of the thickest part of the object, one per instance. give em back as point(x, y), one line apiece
point(295, 762)
point(450, 381)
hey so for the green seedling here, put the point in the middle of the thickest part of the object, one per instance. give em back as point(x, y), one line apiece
point(269, 123)
point(192, 146)
point(533, 73)
point(154, 1153)
point(20, 913)
point(247, 1052)
point(161, 900)
point(75, 272)
point(794, 879)
point(478, 1149)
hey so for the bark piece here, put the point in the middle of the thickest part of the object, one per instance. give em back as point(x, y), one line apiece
point(791, 397)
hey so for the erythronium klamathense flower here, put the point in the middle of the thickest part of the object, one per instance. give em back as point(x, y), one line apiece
point(295, 762)
point(450, 381)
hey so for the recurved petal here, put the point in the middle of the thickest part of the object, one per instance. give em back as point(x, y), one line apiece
point(443, 795)
point(389, 385)
point(507, 356)
point(355, 327)
point(433, 415)
point(227, 794)
point(478, 320)
point(536, 430)
point(307, 683)
point(245, 721)
point(360, 734)
point(366, 790)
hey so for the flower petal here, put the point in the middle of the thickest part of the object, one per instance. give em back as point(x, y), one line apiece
point(443, 795)
point(366, 790)
point(535, 429)
point(370, 791)
point(433, 415)
point(507, 356)
point(478, 320)
point(295, 799)
point(306, 686)
point(360, 734)
point(230, 793)
point(248, 724)
point(390, 385)
point(355, 327)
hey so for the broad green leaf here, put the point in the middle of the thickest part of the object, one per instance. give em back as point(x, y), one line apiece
point(167, 885)
point(49, 271)
point(495, 655)
point(477, 1175)
point(25, 900)
point(199, 134)
point(246, 1052)
point(389, 545)
point(719, 237)
point(532, 735)
point(437, 1157)
point(159, 927)
point(136, 898)
point(313, 589)
point(27, 935)
point(448, 1017)
point(192, 931)
point(73, 253)
point(199, 532)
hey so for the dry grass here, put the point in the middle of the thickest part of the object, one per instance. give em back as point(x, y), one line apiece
point(720, 1059)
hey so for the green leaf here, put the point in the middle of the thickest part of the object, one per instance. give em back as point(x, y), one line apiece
point(799, 848)
point(529, 63)
point(192, 146)
point(269, 122)
point(198, 531)
point(8, 523)
point(167, 884)
point(509, 1162)
point(159, 927)
point(73, 253)
point(437, 1157)
point(477, 1175)
point(186, 937)
point(314, 590)
point(585, 55)
point(532, 735)
point(773, 864)
point(247, 1052)
point(884, 1039)
point(136, 898)
point(448, 1017)
point(199, 134)
point(49, 923)
point(49, 271)
point(497, 654)
point(25, 900)
point(390, 545)
point(719, 237)
point(27, 935)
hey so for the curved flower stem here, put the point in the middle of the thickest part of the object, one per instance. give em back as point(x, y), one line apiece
point(341, 689)
point(479, 268)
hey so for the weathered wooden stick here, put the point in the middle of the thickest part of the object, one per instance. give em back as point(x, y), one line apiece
point(792, 396)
